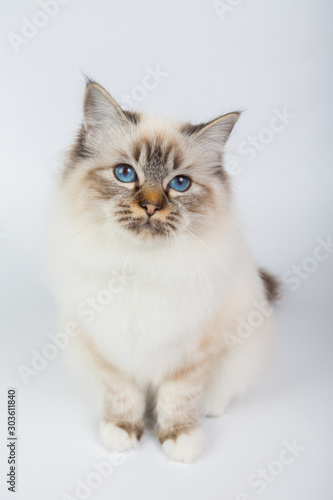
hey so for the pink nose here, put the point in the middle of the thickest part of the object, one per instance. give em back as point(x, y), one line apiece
point(151, 207)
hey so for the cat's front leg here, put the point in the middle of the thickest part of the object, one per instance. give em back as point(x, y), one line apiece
point(178, 413)
point(124, 405)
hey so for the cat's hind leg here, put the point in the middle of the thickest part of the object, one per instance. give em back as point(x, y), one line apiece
point(238, 367)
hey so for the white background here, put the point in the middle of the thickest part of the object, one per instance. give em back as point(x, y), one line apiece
point(258, 56)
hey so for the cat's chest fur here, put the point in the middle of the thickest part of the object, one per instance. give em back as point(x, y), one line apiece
point(145, 320)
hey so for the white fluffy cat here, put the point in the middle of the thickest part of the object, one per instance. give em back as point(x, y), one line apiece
point(148, 259)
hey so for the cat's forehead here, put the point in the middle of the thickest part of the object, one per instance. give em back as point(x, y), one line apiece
point(157, 146)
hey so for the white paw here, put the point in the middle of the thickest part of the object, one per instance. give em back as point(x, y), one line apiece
point(115, 438)
point(186, 447)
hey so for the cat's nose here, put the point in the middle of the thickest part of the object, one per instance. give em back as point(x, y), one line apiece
point(151, 207)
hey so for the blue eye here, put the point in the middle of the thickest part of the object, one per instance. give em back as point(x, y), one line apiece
point(125, 173)
point(180, 183)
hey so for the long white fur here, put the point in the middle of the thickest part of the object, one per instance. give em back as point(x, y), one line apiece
point(173, 289)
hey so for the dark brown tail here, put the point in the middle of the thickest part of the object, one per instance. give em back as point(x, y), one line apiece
point(271, 284)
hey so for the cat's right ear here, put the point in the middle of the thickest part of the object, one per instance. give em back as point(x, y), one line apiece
point(100, 112)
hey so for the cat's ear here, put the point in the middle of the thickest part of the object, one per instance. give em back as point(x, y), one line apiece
point(215, 132)
point(100, 111)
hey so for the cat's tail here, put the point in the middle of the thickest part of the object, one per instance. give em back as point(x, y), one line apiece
point(271, 284)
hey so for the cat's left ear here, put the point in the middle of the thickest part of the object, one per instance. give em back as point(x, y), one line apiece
point(215, 132)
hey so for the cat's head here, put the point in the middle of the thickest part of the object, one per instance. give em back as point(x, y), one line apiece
point(148, 176)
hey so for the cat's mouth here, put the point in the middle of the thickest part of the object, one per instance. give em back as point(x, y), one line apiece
point(149, 227)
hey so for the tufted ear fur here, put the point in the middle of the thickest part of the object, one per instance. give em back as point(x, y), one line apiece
point(215, 132)
point(100, 112)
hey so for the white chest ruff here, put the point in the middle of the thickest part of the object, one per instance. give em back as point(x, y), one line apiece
point(144, 327)
point(146, 323)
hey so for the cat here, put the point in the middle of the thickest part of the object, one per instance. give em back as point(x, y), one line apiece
point(148, 259)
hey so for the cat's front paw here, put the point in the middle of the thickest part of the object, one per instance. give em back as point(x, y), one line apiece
point(118, 439)
point(185, 447)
